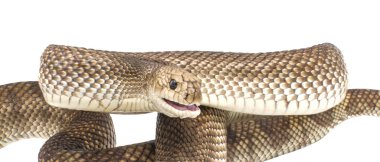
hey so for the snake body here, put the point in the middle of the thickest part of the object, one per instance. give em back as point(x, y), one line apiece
point(253, 106)
point(215, 135)
point(295, 82)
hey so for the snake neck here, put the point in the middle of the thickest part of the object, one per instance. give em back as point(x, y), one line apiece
point(186, 137)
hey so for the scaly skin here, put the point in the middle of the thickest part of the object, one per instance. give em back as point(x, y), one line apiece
point(264, 138)
point(294, 82)
point(215, 135)
point(107, 82)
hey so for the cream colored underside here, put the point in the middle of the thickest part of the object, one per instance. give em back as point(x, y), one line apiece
point(272, 107)
point(105, 105)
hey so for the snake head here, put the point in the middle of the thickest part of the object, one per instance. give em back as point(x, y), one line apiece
point(175, 92)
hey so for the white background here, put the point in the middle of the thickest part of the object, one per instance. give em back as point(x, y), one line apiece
point(27, 27)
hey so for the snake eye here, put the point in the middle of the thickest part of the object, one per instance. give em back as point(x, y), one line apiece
point(173, 84)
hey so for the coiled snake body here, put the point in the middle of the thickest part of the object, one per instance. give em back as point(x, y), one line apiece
point(253, 106)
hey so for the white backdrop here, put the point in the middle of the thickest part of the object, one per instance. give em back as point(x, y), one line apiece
point(27, 27)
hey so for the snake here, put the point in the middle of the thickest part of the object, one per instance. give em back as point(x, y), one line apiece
point(213, 106)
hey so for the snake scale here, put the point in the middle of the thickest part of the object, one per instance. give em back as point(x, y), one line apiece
point(229, 106)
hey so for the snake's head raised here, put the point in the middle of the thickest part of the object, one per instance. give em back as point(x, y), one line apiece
point(175, 92)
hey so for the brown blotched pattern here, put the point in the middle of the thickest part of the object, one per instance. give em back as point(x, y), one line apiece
point(200, 139)
point(263, 138)
point(216, 135)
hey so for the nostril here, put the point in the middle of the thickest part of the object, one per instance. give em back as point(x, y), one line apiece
point(186, 96)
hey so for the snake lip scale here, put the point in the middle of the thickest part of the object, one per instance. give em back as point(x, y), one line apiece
point(179, 106)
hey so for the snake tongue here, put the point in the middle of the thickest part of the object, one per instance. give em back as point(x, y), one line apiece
point(181, 107)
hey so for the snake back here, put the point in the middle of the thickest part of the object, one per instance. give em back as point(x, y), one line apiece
point(293, 82)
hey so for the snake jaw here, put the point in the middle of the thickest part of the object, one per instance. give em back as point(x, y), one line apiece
point(182, 107)
point(175, 109)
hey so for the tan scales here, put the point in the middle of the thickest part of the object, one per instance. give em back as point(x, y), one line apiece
point(252, 104)
point(295, 82)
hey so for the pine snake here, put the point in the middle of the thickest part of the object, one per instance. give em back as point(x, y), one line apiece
point(213, 106)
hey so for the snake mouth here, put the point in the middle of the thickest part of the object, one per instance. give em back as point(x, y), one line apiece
point(182, 107)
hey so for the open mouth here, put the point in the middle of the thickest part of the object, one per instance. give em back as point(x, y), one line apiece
point(181, 107)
